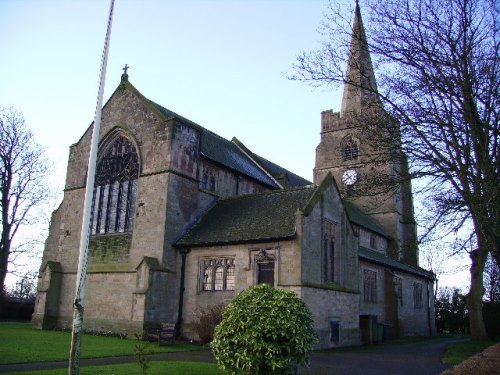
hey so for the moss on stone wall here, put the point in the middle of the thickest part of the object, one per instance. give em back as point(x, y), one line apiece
point(109, 248)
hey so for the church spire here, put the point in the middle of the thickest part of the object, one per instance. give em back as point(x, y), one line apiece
point(360, 79)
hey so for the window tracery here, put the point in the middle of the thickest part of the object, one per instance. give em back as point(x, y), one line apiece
point(115, 187)
point(217, 274)
point(349, 149)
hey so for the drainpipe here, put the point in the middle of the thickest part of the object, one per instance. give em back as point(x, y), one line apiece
point(183, 252)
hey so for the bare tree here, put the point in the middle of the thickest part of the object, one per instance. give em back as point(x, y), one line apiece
point(438, 67)
point(436, 258)
point(25, 288)
point(23, 190)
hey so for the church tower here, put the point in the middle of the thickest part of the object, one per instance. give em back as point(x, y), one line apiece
point(361, 159)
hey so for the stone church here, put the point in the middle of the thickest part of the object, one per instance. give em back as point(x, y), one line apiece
point(184, 219)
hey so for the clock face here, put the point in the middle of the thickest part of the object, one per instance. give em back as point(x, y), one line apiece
point(349, 177)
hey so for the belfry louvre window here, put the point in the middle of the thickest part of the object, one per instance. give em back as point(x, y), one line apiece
point(217, 274)
point(349, 149)
point(115, 187)
point(370, 286)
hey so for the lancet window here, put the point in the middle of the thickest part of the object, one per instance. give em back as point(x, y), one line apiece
point(115, 187)
point(329, 250)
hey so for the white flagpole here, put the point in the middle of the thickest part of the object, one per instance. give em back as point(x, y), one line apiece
point(74, 360)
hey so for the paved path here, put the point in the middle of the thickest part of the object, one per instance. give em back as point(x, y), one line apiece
point(420, 358)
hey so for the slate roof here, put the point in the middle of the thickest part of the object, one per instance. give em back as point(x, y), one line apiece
point(275, 170)
point(224, 152)
point(378, 258)
point(255, 217)
point(228, 154)
point(361, 219)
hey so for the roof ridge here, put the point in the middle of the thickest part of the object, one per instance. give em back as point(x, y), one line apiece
point(252, 156)
point(269, 192)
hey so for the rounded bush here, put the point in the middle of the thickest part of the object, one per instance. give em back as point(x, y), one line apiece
point(264, 331)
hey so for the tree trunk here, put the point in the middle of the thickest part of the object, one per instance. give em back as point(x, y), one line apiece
point(4, 258)
point(474, 298)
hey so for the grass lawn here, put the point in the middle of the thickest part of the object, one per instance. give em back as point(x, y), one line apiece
point(20, 343)
point(157, 368)
point(456, 353)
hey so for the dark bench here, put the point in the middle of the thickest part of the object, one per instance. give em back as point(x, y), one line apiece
point(166, 333)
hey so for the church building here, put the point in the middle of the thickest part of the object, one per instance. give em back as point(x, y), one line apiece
point(184, 220)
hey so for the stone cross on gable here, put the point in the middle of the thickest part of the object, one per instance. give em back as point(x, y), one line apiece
point(125, 75)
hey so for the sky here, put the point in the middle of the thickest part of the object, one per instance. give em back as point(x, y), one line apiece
point(219, 63)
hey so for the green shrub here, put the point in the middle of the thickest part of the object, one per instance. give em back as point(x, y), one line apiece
point(264, 331)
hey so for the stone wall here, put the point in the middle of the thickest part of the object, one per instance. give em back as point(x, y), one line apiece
point(286, 271)
point(414, 320)
point(329, 306)
point(328, 206)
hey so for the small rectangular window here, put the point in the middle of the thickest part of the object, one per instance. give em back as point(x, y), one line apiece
point(265, 273)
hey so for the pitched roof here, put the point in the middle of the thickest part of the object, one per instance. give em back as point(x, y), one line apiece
point(255, 217)
point(378, 258)
point(359, 218)
point(231, 155)
point(282, 175)
point(224, 152)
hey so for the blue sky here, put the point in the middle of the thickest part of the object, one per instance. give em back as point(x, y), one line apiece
point(219, 63)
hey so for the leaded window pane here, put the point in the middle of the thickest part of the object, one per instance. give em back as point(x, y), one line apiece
point(217, 274)
point(120, 213)
point(207, 278)
point(230, 278)
point(219, 278)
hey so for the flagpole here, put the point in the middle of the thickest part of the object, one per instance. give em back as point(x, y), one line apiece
point(76, 335)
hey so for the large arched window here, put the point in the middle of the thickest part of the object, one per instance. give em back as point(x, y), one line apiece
point(349, 149)
point(115, 187)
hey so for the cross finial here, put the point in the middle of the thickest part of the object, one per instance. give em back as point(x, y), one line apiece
point(125, 75)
